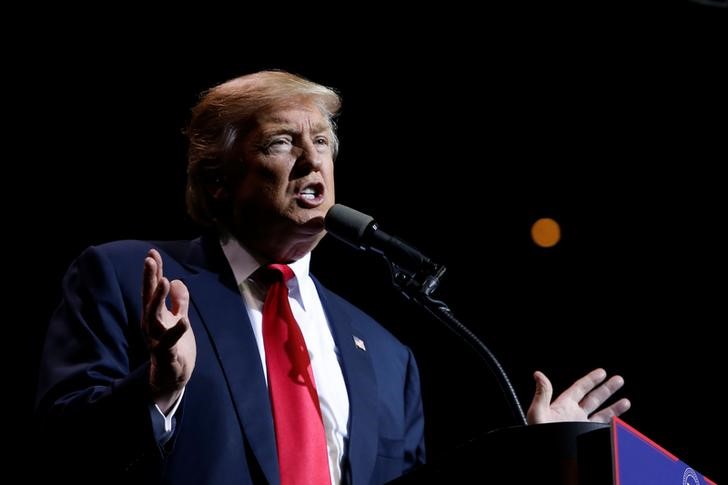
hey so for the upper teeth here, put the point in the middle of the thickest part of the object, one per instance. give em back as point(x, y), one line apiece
point(308, 193)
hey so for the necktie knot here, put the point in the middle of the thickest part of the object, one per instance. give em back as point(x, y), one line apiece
point(276, 272)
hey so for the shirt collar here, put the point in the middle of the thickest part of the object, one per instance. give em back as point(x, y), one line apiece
point(244, 264)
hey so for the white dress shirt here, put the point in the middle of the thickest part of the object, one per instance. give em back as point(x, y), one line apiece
point(309, 313)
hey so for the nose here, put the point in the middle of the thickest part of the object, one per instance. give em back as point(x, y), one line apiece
point(310, 159)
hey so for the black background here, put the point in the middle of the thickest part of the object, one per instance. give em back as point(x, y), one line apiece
point(458, 130)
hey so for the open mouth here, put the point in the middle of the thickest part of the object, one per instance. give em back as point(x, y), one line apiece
point(311, 195)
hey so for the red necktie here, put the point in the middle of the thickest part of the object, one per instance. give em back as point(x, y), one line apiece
point(302, 452)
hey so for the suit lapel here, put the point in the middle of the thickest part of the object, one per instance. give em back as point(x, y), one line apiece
point(216, 298)
point(361, 385)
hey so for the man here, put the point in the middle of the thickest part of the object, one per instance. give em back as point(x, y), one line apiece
point(176, 377)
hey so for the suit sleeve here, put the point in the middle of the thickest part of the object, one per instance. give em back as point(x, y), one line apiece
point(93, 397)
point(414, 415)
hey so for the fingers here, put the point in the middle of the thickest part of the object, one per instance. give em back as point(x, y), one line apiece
point(607, 413)
point(595, 398)
point(153, 316)
point(179, 298)
point(158, 259)
point(544, 391)
point(165, 328)
point(169, 338)
point(151, 276)
point(539, 409)
point(583, 386)
point(149, 280)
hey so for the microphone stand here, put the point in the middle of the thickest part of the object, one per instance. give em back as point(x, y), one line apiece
point(418, 287)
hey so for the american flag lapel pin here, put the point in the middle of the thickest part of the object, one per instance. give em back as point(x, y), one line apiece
point(359, 343)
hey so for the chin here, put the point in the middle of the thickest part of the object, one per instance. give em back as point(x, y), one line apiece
point(313, 224)
point(314, 215)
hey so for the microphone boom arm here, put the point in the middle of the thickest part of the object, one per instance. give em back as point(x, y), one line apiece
point(417, 277)
point(418, 287)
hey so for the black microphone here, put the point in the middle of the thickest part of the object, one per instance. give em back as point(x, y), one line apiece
point(362, 232)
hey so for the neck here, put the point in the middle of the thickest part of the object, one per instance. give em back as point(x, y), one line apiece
point(270, 250)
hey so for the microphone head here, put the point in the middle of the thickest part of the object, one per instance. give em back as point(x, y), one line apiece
point(348, 225)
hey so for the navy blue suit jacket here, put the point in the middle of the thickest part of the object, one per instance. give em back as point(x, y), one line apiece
point(93, 395)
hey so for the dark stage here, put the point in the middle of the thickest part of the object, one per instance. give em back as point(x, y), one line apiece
point(614, 125)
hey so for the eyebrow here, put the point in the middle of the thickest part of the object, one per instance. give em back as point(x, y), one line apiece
point(284, 126)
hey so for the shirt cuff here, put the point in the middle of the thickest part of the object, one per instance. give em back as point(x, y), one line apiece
point(163, 425)
point(168, 417)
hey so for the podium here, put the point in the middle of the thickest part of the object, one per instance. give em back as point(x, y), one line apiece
point(560, 453)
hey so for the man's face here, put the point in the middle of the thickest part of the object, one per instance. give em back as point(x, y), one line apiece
point(287, 185)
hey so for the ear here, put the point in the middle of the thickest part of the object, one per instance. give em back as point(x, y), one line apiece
point(218, 192)
point(216, 188)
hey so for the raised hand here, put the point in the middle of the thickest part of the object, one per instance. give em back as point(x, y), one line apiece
point(168, 332)
point(580, 402)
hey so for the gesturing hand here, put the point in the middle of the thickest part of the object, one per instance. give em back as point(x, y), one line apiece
point(579, 402)
point(168, 332)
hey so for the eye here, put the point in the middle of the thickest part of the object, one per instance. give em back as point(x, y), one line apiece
point(321, 140)
point(277, 144)
point(279, 141)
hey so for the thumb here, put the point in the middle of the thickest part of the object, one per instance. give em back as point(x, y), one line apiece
point(179, 297)
point(541, 397)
